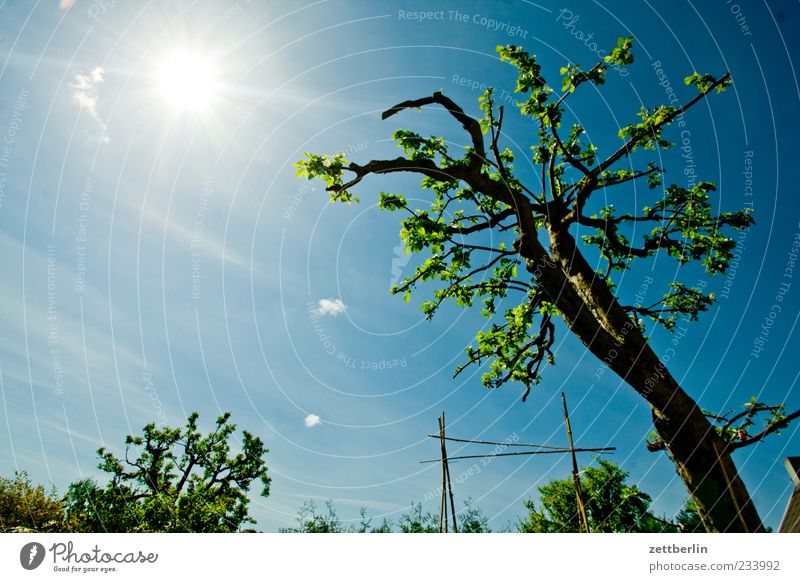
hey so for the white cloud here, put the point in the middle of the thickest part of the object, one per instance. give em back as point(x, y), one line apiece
point(85, 95)
point(312, 420)
point(330, 307)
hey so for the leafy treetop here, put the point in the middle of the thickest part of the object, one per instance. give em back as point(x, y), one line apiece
point(178, 479)
point(476, 190)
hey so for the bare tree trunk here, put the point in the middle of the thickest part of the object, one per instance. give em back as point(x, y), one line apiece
point(594, 315)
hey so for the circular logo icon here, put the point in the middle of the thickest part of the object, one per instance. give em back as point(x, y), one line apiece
point(31, 555)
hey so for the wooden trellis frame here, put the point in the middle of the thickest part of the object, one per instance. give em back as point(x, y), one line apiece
point(446, 514)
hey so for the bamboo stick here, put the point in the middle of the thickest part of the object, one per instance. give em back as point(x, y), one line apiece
point(548, 452)
point(443, 502)
point(449, 483)
point(575, 476)
point(494, 443)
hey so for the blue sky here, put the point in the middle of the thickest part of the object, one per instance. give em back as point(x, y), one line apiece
point(158, 261)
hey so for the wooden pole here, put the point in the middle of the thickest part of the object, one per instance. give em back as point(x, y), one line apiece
point(435, 436)
point(449, 483)
point(575, 476)
point(443, 501)
point(547, 452)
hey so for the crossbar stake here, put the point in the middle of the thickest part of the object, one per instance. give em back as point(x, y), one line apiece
point(575, 476)
point(449, 483)
point(443, 502)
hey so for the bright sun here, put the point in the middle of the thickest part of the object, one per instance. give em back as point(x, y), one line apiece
point(187, 81)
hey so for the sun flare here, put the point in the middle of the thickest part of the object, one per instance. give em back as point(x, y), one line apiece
point(187, 81)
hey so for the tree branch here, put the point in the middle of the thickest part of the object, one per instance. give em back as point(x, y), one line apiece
point(634, 176)
point(783, 423)
point(493, 221)
point(471, 125)
point(574, 161)
point(628, 146)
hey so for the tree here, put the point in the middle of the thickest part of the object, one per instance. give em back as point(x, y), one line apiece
point(25, 507)
point(365, 525)
point(311, 520)
point(476, 192)
point(611, 505)
point(472, 520)
point(417, 521)
point(689, 520)
point(179, 481)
